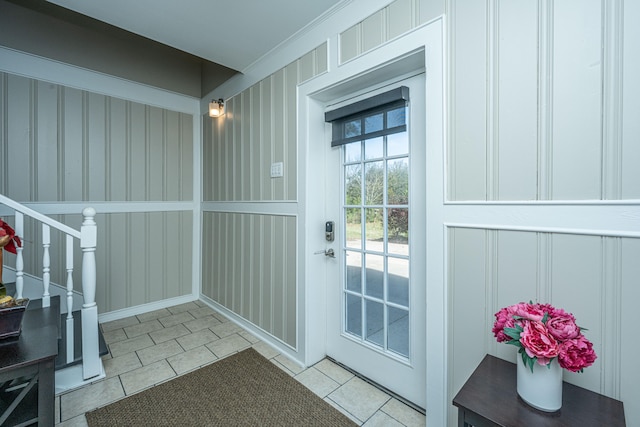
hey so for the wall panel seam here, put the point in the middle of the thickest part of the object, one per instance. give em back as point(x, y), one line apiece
point(612, 125)
point(545, 99)
point(85, 147)
point(128, 150)
point(492, 284)
point(165, 160)
point(451, 154)
point(492, 99)
point(60, 150)
point(33, 139)
point(611, 309)
point(147, 150)
point(107, 149)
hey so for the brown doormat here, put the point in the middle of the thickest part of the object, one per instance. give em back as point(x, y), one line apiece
point(241, 390)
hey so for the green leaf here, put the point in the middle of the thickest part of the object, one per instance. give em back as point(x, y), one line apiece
point(545, 317)
point(515, 342)
point(513, 333)
point(531, 362)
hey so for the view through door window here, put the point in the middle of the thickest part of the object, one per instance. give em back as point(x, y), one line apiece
point(376, 217)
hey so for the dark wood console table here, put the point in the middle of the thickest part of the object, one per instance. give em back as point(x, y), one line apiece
point(30, 359)
point(489, 399)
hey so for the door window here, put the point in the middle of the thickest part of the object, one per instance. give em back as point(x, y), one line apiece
point(376, 240)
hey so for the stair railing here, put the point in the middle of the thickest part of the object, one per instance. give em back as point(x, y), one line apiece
point(91, 364)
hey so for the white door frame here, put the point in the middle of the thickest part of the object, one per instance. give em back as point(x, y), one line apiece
point(421, 48)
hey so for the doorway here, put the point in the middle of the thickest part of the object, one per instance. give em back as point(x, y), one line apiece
point(375, 273)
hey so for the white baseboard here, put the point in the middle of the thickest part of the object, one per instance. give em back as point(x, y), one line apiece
point(144, 308)
point(264, 336)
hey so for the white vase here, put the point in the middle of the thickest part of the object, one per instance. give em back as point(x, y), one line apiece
point(541, 388)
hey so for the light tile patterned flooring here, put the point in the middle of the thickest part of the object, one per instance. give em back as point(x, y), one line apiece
point(154, 347)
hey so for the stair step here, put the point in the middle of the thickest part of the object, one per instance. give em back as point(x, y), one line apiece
point(61, 360)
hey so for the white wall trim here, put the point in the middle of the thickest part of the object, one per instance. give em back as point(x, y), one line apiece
point(279, 345)
point(600, 220)
point(71, 208)
point(35, 67)
point(627, 202)
point(555, 230)
point(196, 259)
point(260, 208)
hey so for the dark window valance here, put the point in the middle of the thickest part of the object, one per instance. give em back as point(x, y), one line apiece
point(382, 114)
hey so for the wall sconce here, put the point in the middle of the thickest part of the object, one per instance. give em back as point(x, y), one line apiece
point(216, 108)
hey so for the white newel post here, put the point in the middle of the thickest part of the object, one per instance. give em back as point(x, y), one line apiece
point(88, 241)
point(19, 259)
point(46, 265)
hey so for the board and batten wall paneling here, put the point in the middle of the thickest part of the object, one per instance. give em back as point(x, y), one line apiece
point(630, 104)
point(576, 144)
point(129, 276)
point(386, 24)
point(543, 100)
point(467, 150)
point(627, 358)
point(258, 129)
point(593, 277)
point(513, 114)
point(62, 144)
point(249, 267)
point(126, 275)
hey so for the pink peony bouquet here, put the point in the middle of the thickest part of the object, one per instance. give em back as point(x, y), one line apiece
point(543, 332)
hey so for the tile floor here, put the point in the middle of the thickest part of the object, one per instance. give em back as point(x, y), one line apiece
point(154, 347)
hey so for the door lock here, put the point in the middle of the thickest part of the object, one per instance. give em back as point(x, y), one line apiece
point(329, 234)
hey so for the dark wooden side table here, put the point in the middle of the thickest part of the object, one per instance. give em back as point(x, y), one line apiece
point(27, 378)
point(489, 399)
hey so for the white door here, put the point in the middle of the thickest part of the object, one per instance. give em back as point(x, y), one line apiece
point(376, 282)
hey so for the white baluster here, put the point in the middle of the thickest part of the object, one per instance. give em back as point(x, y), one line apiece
point(46, 265)
point(88, 242)
point(19, 259)
point(69, 320)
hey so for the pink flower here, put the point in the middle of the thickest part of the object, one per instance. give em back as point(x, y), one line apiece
point(504, 319)
point(538, 343)
point(563, 327)
point(576, 354)
point(528, 311)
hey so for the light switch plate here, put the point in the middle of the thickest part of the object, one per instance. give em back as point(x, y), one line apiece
point(277, 170)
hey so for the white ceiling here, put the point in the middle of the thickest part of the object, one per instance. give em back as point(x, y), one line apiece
point(234, 33)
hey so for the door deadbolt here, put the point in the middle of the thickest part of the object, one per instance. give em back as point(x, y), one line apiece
point(329, 228)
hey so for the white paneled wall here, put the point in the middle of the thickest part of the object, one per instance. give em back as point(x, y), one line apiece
point(543, 107)
point(537, 101)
